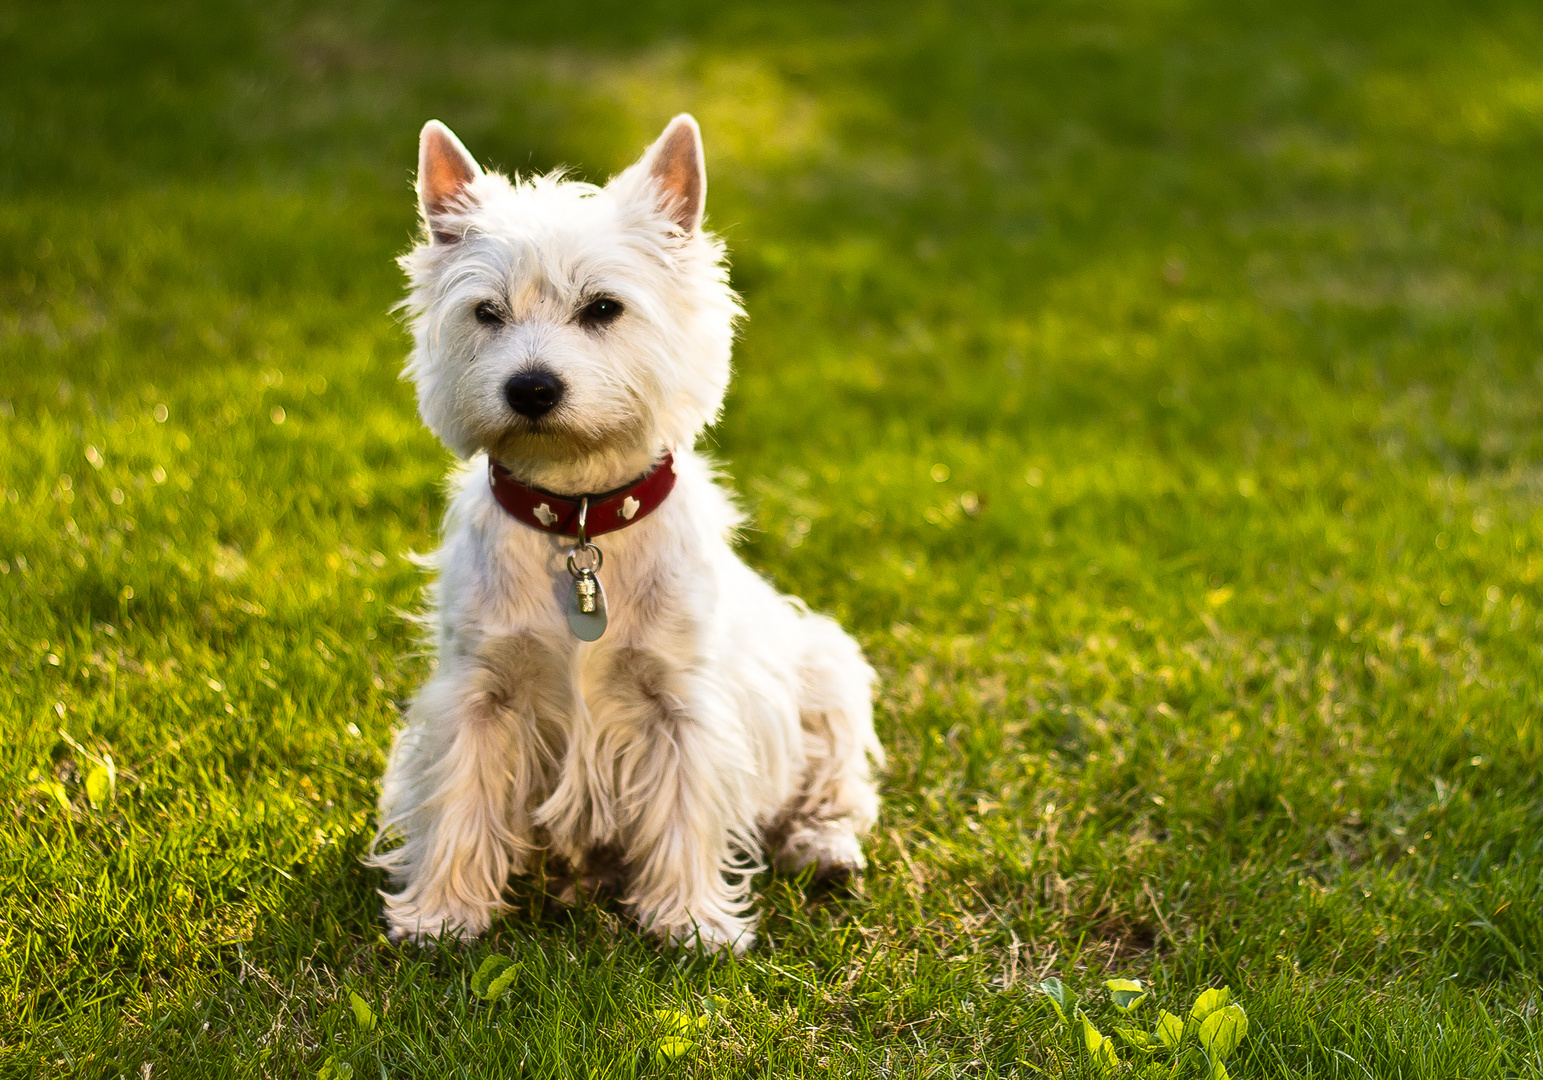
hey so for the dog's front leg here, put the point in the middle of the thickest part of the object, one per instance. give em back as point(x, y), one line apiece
point(462, 776)
point(685, 819)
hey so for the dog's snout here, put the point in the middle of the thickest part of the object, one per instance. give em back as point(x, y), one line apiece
point(534, 393)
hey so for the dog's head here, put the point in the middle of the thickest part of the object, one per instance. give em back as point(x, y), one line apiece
point(571, 331)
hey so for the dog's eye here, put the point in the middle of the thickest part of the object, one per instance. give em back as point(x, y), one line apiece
point(488, 314)
point(601, 311)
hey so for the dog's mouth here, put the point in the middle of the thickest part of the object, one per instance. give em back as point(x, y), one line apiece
point(550, 438)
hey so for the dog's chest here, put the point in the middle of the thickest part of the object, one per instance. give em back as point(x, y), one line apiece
point(579, 694)
point(589, 717)
point(504, 595)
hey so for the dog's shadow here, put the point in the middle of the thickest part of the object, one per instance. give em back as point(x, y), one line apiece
point(326, 914)
point(556, 895)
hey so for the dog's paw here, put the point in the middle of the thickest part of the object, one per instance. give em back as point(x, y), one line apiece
point(723, 936)
point(401, 935)
point(413, 926)
point(830, 848)
point(424, 938)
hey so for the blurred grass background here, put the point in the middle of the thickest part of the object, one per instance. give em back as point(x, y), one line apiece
point(1154, 388)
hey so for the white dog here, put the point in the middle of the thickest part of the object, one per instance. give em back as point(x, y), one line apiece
point(663, 712)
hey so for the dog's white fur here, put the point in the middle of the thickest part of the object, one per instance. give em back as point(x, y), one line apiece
point(715, 716)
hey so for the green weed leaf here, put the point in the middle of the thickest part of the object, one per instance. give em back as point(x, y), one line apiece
point(490, 972)
point(1221, 1031)
point(1063, 999)
point(333, 1069)
point(363, 1015)
point(500, 986)
point(1208, 1002)
point(102, 782)
point(1138, 1039)
point(1100, 1047)
point(673, 1046)
point(1170, 1029)
point(49, 788)
point(1125, 993)
point(679, 1023)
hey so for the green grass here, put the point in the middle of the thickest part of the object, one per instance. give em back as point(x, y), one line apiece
point(1154, 388)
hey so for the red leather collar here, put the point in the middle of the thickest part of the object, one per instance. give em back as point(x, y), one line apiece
point(559, 514)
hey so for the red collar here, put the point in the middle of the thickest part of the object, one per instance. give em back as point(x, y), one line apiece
point(608, 511)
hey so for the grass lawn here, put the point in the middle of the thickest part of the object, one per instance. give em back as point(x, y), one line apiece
point(1155, 389)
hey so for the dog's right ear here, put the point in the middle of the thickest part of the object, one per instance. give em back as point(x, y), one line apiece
point(444, 171)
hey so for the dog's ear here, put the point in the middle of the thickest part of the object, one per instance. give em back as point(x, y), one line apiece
point(444, 170)
point(675, 164)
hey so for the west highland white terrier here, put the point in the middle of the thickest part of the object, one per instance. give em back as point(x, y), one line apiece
point(615, 692)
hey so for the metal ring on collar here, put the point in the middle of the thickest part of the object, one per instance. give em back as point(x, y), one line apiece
point(585, 548)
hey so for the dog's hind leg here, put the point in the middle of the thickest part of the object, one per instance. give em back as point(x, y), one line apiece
point(837, 800)
point(463, 775)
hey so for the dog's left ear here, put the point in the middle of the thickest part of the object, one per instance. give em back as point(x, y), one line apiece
point(675, 164)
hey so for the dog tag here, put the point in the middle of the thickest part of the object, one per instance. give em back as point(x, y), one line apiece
point(586, 599)
point(586, 606)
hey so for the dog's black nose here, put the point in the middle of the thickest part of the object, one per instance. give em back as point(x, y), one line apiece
point(533, 394)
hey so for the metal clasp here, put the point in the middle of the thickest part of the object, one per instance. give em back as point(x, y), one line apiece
point(584, 547)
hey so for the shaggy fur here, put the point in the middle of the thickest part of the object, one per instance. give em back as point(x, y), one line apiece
point(714, 716)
